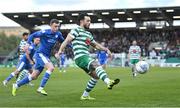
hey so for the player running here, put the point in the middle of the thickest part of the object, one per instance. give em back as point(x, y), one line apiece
point(62, 66)
point(134, 56)
point(48, 39)
point(81, 41)
point(21, 47)
point(102, 57)
point(26, 61)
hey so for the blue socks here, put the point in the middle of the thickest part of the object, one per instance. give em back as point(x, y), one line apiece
point(10, 76)
point(24, 81)
point(45, 78)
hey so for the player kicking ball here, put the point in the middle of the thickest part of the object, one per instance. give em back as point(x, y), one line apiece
point(26, 62)
point(48, 39)
point(81, 40)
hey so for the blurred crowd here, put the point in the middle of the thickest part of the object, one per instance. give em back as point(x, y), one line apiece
point(118, 41)
point(167, 41)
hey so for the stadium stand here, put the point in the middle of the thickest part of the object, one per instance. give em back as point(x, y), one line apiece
point(154, 28)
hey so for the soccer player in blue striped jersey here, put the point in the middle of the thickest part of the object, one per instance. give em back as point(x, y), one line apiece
point(26, 62)
point(102, 57)
point(48, 39)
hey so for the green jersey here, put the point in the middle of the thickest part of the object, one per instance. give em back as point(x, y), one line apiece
point(81, 41)
point(135, 52)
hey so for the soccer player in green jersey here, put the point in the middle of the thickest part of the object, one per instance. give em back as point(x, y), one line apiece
point(81, 40)
point(134, 56)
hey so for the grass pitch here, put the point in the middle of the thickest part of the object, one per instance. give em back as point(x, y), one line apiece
point(160, 87)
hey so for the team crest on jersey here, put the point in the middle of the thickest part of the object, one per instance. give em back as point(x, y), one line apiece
point(56, 36)
point(88, 41)
point(134, 51)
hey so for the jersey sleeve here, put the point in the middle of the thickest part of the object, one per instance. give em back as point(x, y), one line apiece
point(37, 34)
point(74, 33)
point(61, 38)
point(31, 48)
point(92, 38)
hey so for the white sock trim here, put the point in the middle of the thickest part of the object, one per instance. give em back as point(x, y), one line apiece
point(49, 72)
point(40, 88)
point(13, 74)
point(30, 77)
point(16, 86)
point(85, 93)
point(107, 80)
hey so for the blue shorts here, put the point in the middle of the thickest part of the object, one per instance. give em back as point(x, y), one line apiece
point(62, 62)
point(23, 65)
point(102, 61)
point(40, 60)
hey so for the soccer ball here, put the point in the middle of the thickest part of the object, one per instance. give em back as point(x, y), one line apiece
point(142, 67)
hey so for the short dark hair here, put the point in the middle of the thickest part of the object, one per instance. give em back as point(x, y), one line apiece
point(81, 16)
point(54, 21)
point(25, 33)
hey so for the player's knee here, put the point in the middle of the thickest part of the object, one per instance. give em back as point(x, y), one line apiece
point(34, 76)
point(93, 75)
point(16, 72)
point(51, 68)
point(93, 66)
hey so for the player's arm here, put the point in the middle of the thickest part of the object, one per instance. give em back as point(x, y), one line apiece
point(27, 55)
point(68, 39)
point(100, 47)
point(61, 39)
point(37, 34)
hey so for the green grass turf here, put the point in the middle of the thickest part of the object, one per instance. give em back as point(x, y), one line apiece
point(160, 87)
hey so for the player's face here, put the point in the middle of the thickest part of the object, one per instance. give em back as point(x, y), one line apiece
point(54, 27)
point(25, 37)
point(87, 22)
point(134, 43)
point(36, 41)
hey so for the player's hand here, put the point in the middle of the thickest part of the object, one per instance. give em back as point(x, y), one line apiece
point(32, 62)
point(25, 48)
point(57, 55)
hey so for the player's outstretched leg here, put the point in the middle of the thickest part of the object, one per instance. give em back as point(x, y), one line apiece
point(50, 69)
point(90, 85)
point(20, 67)
point(22, 75)
point(10, 77)
point(43, 82)
point(24, 81)
point(103, 76)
